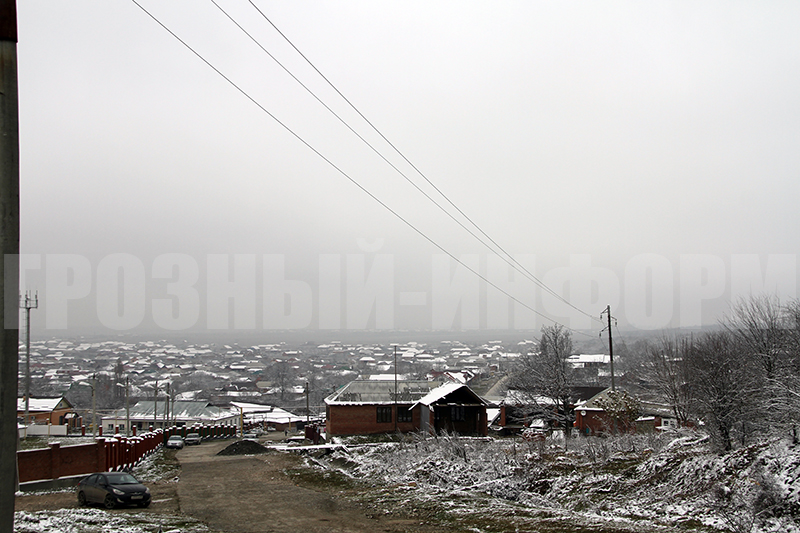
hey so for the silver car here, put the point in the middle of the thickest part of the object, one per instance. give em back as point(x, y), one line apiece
point(193, 438)
point(175, 441)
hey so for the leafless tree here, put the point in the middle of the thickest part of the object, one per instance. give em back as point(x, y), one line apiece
point(282, 375)
point(759, 324)
point(666, 368)
point(546, 375)
point(726, 385)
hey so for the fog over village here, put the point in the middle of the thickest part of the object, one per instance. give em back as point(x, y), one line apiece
point(411, 267)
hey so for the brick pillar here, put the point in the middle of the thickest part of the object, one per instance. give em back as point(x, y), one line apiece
point(100, 451)
point(55, 460)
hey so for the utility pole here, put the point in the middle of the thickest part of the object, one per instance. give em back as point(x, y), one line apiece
point(166, 409)
point(127, 407)
point(395, 388)
point(610, 344)
point(9, 266)
point(308, 410)
point(155, 407)
point(28, 303)
point(94, 405)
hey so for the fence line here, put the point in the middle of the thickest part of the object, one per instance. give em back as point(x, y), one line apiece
point(105, 454)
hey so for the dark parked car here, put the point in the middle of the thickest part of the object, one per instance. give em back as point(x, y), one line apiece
point(193, 438)
point(112, 489)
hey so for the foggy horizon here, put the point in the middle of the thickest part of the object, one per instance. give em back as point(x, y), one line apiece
point(642, 157)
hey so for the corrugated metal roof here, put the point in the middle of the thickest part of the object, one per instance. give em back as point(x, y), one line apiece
point(380, 392)
point(178, 411)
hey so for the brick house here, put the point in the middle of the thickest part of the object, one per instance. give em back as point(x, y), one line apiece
point(372, 407)
point(518, 409)
point(591, 419)
point(55, 411)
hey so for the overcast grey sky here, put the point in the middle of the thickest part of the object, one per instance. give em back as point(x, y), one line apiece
point(639, 155)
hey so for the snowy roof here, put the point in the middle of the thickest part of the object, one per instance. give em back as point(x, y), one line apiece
point(265, 413)
point(380, 392)
point(180, 411)
point(42, 404)
point(445, 390)
point(589, 358)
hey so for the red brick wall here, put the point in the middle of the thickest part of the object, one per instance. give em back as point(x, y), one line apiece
point(55, 462)
point(363, 420)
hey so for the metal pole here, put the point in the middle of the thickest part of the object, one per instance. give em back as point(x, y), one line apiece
point(166, 408)
point(127, 407)
point(610, 348)
point(94, 405)
point(395, 388)
point(27, 362)
point(28, 304)
point(9, 266)
point(155, 407)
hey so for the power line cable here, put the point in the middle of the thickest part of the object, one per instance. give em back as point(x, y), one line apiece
point(345, 174)
point(507, 257)
point(352, 130)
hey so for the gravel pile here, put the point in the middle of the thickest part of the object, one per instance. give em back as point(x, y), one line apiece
point(243, 447)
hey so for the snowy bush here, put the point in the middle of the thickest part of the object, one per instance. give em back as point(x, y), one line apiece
point(669, 479)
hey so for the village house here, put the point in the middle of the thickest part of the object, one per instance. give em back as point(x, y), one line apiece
point(592, 419)
point(518, 410)
point(372, 407)
point(55, 411)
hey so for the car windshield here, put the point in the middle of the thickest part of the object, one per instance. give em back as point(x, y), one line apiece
point(193, 435)
point(174, 438)
point(121, 479)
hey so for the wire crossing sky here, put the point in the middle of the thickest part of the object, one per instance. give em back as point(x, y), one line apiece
point(642, 157)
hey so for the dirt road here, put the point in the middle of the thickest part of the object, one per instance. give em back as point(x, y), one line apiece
point(250, 494)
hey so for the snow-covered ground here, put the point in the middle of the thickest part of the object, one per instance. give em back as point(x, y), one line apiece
point(628, 483)
point(101, 521)
point(669, 482)
point(91, 520)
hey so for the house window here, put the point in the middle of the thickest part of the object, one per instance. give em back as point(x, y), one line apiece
point(457, 413)
point(384, 414)
point(404, 413)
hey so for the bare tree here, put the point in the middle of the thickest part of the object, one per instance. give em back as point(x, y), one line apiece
point(546, 375)
point(282, 376)
point(726, 385)
point(666, 368)
point(782, 403)
point(622, 409)
point(759, 324)
point(767, 332)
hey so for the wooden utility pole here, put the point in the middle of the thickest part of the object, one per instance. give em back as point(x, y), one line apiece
point(9, 266)
point(610, 345)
